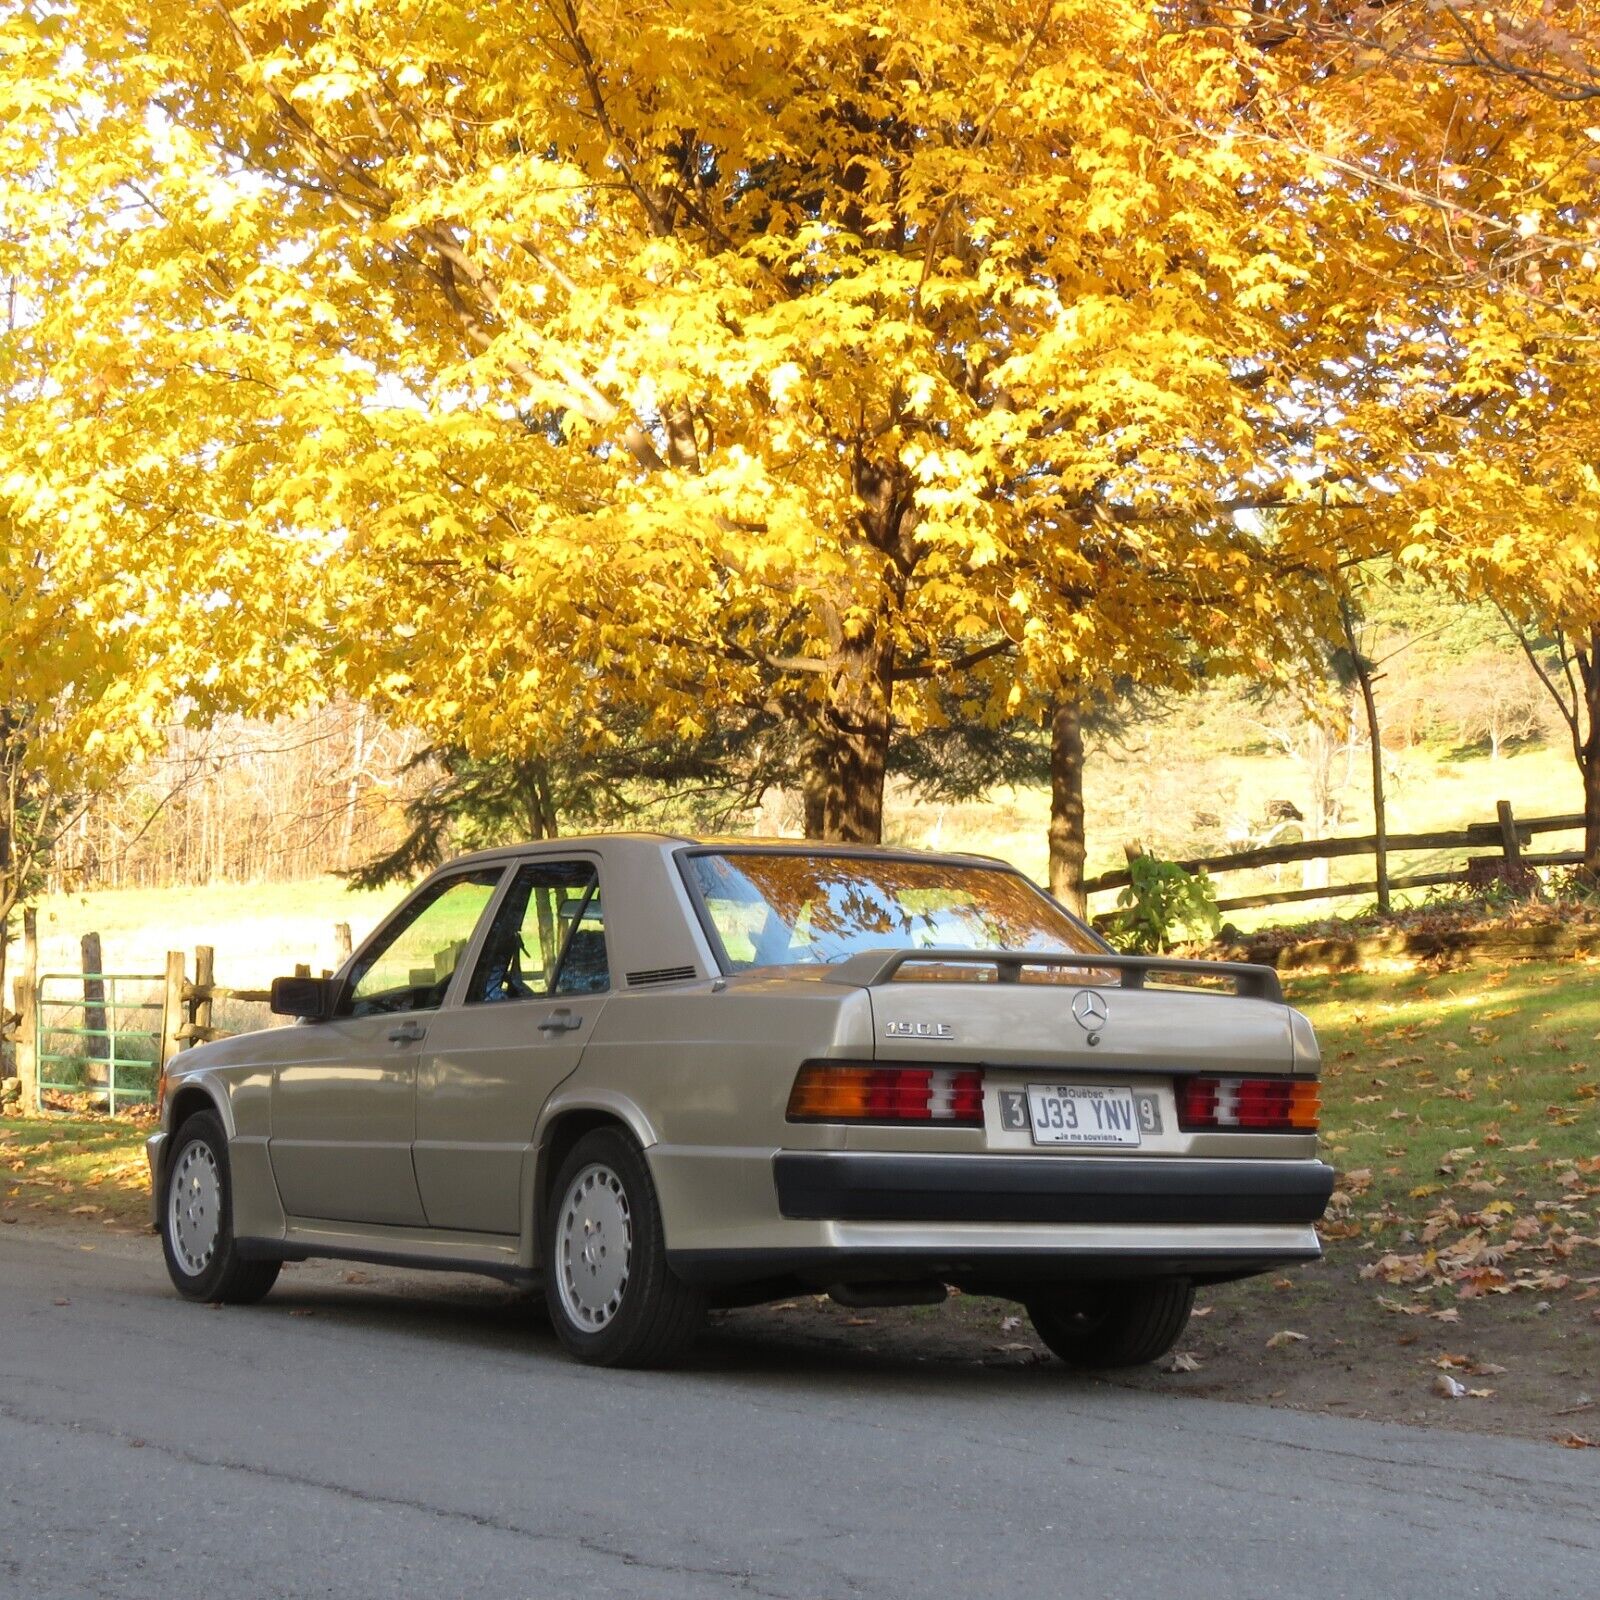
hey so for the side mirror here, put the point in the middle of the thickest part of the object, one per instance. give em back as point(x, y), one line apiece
point(313, 999)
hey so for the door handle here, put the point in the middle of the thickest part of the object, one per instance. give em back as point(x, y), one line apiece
point(408, 1033)
point(561, 1020)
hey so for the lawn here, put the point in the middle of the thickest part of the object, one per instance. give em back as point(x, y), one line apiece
point(91, 1168)
point(259, 930)
point(1461, 1110)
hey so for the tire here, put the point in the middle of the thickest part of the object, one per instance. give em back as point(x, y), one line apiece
point(197, 1220)
point(1096, 1326)
point(612, 1310)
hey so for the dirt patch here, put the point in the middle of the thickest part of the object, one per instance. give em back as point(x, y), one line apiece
point(1530, 1369)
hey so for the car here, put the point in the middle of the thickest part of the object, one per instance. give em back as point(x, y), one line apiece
point(657, 1074)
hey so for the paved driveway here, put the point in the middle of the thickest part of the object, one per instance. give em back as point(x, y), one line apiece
point(423, 1437)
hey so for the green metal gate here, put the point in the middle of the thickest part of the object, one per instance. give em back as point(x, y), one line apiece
point(127, 1063)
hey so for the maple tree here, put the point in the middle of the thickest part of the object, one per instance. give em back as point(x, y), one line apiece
point(517, 359)
point(79, 699)
point(1452, 154)
point(851, 369)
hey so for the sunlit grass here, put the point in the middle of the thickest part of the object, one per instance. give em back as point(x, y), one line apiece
point(90, 1167)
point(1504, 1061)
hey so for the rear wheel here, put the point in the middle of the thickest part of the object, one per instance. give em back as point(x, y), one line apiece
point(614, 1301)
point(1113, 1324)
point(203, 1260)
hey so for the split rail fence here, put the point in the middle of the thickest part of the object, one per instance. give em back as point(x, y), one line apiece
point(1507, 838)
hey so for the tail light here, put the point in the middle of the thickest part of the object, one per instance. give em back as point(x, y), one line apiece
point(949, 1096)
point(1253, 1105)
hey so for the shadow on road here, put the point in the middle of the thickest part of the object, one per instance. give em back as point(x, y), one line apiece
point(807, 1343)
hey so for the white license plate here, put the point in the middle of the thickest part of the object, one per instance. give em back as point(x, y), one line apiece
point(1076, 1113)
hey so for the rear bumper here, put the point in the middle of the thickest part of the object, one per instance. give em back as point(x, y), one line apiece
point(846, 1186)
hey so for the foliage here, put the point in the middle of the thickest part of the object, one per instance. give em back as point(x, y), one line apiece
point(739, 356)
point(502, 365)
point(1162, 902)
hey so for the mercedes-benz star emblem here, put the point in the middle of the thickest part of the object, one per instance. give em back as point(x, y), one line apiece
point(1090, 1010)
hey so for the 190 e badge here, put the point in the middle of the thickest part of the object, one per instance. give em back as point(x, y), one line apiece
point(918, 1030)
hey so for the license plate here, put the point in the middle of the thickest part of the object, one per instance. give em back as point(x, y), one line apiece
point(1083, 1114)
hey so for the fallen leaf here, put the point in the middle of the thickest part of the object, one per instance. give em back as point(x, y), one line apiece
point(1577, 1441)
point(1007, 1324)
point(61, 1302)
point(1285, 1336)
point(1184, 1362)
point(1448, 1388)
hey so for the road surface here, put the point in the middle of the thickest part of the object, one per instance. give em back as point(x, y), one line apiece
point(424, 1437)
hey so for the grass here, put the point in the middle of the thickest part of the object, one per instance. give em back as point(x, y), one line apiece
point(259, 930)
point(1161, 793)
point(91, 1168)
point(1504, 1061)
point(1461, 1111)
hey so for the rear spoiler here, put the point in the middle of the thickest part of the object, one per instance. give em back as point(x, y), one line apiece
point(870, 968)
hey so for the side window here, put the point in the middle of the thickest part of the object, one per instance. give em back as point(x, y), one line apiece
point(547, 937)
point(412, 968)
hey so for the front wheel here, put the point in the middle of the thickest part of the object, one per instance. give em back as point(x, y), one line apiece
point(1113, 1324)
point(203, 1260)
point(614, 1301)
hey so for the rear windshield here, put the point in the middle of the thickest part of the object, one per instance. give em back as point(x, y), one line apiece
point(785, 908)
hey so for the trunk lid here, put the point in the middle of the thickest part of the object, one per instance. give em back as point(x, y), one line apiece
point(1009, 1009)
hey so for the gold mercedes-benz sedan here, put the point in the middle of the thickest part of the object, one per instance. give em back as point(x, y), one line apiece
point(660, 1073)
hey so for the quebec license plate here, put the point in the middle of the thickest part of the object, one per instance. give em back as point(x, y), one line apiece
point(1085, 1114)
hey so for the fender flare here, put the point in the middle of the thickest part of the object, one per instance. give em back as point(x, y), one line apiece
point(591, 1101)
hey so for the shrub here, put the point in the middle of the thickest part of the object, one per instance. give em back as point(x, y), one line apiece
point(1161, 902)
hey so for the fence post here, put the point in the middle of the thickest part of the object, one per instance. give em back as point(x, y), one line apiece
point(26, 990)
point(171, 1018)
point(205, 976)
point(1509, 842)
point(94, 999)
point(341, 944)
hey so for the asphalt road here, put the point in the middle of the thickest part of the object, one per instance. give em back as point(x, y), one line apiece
point(420, 1436)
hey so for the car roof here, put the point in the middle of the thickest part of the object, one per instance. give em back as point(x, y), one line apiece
point(742, 841)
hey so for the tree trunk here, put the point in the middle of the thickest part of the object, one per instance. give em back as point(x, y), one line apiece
point(854, 742)
point(1588, 753)
point(1068, 845)
point(1363, 671)
point(814, 784)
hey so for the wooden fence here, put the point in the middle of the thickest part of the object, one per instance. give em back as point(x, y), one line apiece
point(1506, 838)
point(187, 1008)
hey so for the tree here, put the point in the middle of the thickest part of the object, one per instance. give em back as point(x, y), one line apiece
point(473, 802)
point(743, 356)
point(81, 696)
point(1462, 430)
